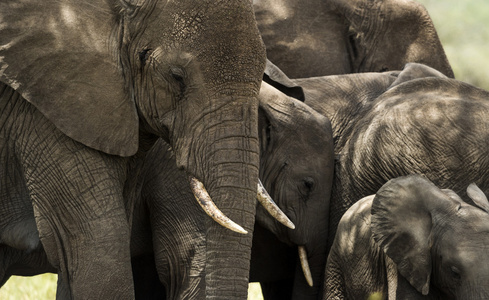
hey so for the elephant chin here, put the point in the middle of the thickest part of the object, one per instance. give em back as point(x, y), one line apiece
point(210, 208)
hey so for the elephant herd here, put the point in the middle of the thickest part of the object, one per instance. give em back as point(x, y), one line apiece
point(135, 134)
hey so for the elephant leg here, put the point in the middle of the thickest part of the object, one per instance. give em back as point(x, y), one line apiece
point(87, 239)
point(77, 196)
point(63, 290)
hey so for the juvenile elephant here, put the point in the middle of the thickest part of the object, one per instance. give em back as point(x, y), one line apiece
point(296, 167)
point(308, 38)
point(387, 125)
point(87, 84)
point(412, 240)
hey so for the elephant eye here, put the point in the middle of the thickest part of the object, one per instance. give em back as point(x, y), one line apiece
point(178, 75)
point(308, 185)
point(144, 55)
point(455, 272)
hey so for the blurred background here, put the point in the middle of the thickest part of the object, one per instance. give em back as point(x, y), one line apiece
point(463, 28)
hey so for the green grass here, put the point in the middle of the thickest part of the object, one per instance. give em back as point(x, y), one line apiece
point(254, 292)
point(463, 28)
point(41, 287)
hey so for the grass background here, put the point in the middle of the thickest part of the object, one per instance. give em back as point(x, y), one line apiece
point(463, 28)
point(43, 287)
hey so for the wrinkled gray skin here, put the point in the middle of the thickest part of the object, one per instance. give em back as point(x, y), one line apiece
point(169, 227)
point(290, 134)
point(86, 84)
point(308, 38)
point(168, 242)
point(296, 168)
point(411, 240)
point(389, 125)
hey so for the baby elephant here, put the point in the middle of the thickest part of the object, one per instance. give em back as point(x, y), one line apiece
point(411, 240)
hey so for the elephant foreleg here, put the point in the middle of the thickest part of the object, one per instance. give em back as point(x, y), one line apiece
point(80, 214)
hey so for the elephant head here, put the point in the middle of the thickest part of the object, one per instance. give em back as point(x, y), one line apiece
point(328, 37)
point(438, 242)
point(110, 74)
point(296, 159)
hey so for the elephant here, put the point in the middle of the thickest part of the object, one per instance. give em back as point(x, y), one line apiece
point(392, 124)
point(411, 240)
point(86, 87)
point(296, 167)
point(168, 237)
point(310, 38)
point(290, 134)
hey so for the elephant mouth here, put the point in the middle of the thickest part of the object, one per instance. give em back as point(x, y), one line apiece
point(210, 208)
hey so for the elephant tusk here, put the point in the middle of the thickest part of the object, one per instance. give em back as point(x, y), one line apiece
point(275, 211)
point(210, 208)
point(305, 265)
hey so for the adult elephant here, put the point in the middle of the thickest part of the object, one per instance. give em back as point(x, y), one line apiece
point(308, 38)
point(392, 124)
point(412, 240)
point(86, 84)
point(291, 134)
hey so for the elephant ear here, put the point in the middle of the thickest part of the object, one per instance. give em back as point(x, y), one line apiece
point(415, 71)
point(401, 225)
point(59, 56)
point(478, 196)
point(277, 78)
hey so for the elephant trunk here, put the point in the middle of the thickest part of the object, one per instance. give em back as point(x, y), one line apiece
point(226, 161)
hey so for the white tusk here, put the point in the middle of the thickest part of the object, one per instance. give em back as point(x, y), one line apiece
point(305, 265)
point(210, 208)
point(275, 211)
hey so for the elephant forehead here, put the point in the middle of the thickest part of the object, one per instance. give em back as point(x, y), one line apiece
point(187, 24)
point(222, 40)
point(466, 227)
